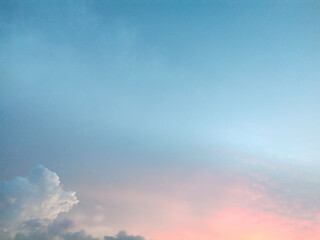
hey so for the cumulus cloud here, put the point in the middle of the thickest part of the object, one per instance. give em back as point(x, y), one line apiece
point(38, 196)
point(29, 207)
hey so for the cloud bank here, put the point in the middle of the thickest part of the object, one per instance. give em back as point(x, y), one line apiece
point(122, 235)
point(58, 230)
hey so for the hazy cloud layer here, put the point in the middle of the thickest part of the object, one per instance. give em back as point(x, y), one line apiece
point(286, 190)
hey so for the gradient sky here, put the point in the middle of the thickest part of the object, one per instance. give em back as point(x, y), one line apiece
point(189, 120)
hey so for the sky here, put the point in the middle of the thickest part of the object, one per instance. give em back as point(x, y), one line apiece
point(159, 120)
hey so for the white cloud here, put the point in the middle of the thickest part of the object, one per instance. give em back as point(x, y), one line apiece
point(38, 196)
point(30, 205)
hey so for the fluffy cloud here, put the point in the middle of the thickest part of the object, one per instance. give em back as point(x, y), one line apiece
point(29, 207)
point(38, 196)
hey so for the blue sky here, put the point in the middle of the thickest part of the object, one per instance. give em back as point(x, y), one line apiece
point(100, 91)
